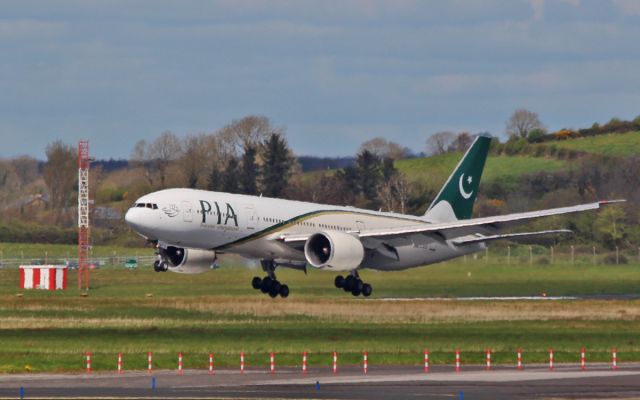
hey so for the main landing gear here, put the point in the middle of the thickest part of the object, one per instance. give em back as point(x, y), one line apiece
point(270, 284)
point(352, 283)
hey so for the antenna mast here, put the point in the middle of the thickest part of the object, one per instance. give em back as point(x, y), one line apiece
point(83, 214)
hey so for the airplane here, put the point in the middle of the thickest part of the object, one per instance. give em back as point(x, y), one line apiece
point(192, 227)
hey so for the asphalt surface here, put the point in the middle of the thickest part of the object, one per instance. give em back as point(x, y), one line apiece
point(442, 382)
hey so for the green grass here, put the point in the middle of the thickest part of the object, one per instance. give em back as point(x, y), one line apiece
point(625, 144)
point(433, 171)
point(138, 311)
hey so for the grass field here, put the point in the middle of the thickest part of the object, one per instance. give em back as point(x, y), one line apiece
point(625, 144)
point(139, 311)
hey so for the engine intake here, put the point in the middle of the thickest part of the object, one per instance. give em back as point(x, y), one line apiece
point(334, 250)
point(186, 260)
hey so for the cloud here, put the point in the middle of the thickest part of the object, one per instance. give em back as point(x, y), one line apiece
point(629, 7)
point(538, 9)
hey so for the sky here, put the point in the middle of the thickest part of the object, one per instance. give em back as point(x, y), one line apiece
point(333, 73)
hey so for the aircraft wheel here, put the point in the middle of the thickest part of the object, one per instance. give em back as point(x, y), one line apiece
point(356, 292)
point(358, 286)
point(156, 266)
point(350, 283)
point(256, 283)
point(164, 266)
point(275, 287)
point(273, 293)
point(284, 291)
point(265, 287)
point(339, 282)
point(367, 290)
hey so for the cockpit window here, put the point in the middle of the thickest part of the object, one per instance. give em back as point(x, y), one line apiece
point(152, 206)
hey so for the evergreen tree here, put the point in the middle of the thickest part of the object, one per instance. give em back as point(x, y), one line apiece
point(277, 166)
point(249, 175)
point(214, 181)
point(230, 177)
point(370, 174)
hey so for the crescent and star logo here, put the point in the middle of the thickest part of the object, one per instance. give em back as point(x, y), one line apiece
point(463, 193)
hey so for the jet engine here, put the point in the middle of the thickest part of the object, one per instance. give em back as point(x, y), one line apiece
point(336, 251)
point(184, 260)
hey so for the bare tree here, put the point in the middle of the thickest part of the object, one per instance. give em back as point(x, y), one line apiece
point(26, 168)
point(384, 149)
point(60, 173)
point(439, 142)
point(165, 149)
point(461, 142)
point(193, 161)
point(522, 122)
point(249, 131)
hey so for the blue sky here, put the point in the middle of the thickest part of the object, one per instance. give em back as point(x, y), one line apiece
point(334, 73)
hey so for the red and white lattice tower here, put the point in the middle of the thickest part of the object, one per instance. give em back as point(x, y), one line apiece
point(83, 214)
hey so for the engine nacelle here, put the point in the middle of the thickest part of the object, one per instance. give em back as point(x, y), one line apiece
point(336, 251)
point(186, 260)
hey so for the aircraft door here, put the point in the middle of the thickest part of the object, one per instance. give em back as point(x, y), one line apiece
point(187, 211)
point(251, 217)
point(360, 226)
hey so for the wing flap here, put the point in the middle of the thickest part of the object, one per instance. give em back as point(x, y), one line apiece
point(508, 236)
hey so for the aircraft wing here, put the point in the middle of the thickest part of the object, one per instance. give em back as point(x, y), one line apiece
point(462, 232)
point(489, 225)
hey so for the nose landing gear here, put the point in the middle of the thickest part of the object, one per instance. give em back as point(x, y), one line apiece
point(270, 284)
point(352, 283)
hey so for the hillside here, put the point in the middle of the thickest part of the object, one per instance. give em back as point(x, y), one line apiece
point(613, 144)
point(433, 171)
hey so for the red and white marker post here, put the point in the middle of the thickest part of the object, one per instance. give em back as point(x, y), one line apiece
point(88, 362)
point(180, 364)
point(211, 372)
point(304, 362)
point(488, 359)
point(426, 360)
point(242, 362)
point(150, 362)
point(551, 359)
point(583, 364)
point(365, 362)
point(119, 363)
point(335, 362)
point(272, 362)
point(457, 360)
point(519, 359)
point(614, 358)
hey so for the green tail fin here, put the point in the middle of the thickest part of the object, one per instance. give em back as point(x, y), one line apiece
point(456, 198)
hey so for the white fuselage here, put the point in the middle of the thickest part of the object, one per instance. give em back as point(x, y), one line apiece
point(250, 226)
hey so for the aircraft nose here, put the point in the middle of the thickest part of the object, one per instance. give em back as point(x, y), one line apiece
point(134, 218)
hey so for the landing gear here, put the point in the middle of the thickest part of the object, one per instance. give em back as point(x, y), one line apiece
point(270, 284)
point(352, 283)
point(160, 266)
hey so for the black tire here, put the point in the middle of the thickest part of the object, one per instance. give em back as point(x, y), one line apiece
point(367, 290)
point(256, 283)
point(350, 283)
point(275, 287)
point(156, 266)
point(164, 266)
point(265, 287)
point(358, 286)
point(356, 292)
point(273, 293)
point(339, 282)
point(284, 291)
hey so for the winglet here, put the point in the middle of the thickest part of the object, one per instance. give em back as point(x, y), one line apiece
point(605, 202)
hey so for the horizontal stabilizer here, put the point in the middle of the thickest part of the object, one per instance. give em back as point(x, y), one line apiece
point(515, 237)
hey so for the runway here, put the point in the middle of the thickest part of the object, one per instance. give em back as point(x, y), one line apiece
point(566, 382)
